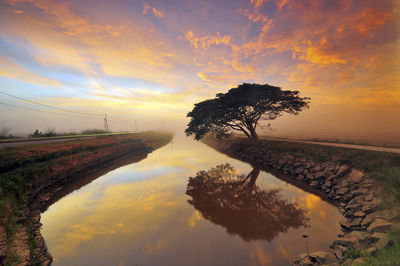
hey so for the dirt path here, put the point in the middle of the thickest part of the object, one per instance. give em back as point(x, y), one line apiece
point(33, 142)
point(343, 145)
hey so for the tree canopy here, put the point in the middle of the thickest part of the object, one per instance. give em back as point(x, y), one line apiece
point(241, 109)
point(237, 203)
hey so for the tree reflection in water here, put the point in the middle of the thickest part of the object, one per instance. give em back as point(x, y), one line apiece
point(243, 208)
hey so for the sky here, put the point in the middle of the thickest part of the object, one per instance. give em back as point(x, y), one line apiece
point(145, 63)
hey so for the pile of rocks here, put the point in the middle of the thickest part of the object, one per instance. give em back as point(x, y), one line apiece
point(363, 224)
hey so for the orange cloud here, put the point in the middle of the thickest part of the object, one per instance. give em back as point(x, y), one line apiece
point(370, 20)
point(71, 23)
point(314, 55)
point(147, 7)
point(206, 41)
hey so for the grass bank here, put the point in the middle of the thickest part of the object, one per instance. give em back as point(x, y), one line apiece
point(27, 171)
point(381, 166)
point(64, 136)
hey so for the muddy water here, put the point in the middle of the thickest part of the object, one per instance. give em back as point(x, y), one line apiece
point(139, 214)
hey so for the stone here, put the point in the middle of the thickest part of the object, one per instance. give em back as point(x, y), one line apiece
point(375, 237)
point(332, 177)
point(338, 254)
point(368, 219)
point(359, 214)
point(328, 183)
point(347, 196)
point(317, 168)
point(353, 206)
point(361, 260)
point(310, 176)
point(379, 226)
point(329, 176)
point(300, 177)
point(314, 183)
point(345, 241)
point(319, 257)
point(297, 164)
point(342, 191)
point(342, 170)
point(325, 164)
point(356, 222)
point(306, 172)
point(368, 208)
point(370, 197)
point(360, 236)
point(303, 259)
point(355, 176)
point(384, 242)
point(299, 170)
point(344, 223)
point(318, 175)
point(372, 250)
point(281, 162)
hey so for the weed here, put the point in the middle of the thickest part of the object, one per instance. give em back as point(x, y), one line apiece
point(13, 258)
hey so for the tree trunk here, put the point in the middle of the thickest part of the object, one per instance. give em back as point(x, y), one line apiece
point(253, 134)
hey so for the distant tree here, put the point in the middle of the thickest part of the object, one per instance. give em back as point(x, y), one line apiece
point(241, 109)
point(4, 132)
point(36, 134)
point(50, 132)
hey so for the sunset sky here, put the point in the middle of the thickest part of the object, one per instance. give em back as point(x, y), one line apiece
point(150, 61)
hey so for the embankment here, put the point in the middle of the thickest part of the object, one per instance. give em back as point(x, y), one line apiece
point(34, 177)
point(364, 185)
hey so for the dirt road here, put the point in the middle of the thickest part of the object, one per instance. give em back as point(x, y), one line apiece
point(350, 146)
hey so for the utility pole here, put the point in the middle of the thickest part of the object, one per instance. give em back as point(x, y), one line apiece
point(105, 123)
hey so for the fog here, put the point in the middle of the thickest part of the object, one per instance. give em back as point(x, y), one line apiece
point(377, 127)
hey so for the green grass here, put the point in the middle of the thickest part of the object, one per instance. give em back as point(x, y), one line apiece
point(387, 256)
point(373, 143)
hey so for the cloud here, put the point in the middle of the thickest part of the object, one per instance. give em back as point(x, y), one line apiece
point(206, 41)
point(10, 69)
point(147, 8)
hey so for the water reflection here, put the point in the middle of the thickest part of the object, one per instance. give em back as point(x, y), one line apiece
point(242, 207)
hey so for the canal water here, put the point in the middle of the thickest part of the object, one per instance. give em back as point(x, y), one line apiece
point(140, 214)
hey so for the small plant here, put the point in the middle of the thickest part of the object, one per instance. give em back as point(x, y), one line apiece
point(50, 132)
point(352, 253)
point(13, 258)
point(36, 134)
point(93, 131)
point(4, 132)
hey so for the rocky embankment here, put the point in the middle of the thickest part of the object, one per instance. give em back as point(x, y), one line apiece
point(28, 246)
point(358, 198)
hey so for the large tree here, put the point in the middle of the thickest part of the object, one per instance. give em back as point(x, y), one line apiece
point(241, 109)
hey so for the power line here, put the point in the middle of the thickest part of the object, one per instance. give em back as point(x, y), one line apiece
point(49, 106)
point(43, 111)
